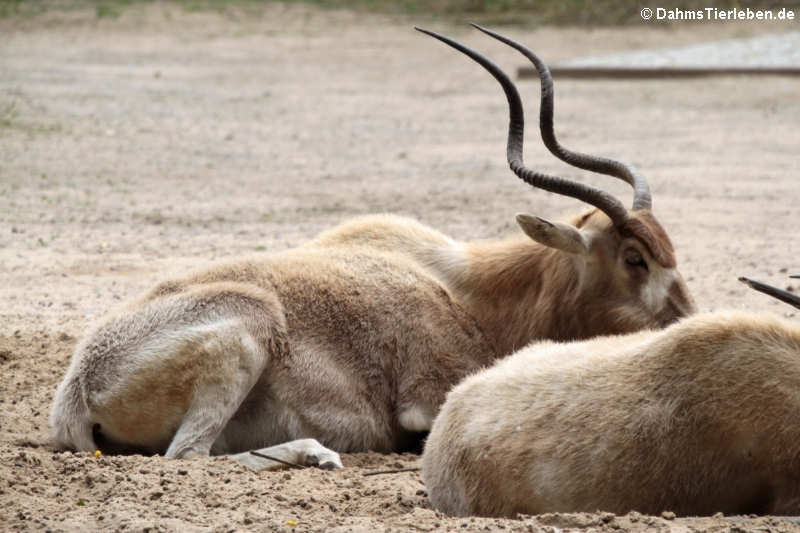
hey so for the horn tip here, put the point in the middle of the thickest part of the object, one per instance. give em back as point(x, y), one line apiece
point(426, 32)
point(481, 28)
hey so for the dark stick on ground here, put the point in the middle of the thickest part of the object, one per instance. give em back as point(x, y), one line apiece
point(281, 461)
point(394, 471)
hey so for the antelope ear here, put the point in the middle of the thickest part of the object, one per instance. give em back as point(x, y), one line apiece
point(553, 234)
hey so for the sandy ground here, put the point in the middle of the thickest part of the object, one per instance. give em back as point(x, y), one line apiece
point(149, 144)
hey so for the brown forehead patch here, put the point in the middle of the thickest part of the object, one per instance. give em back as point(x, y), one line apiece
point(642, 225)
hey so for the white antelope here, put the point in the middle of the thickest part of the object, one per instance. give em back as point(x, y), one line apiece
point(354, 338)
point(698, 418)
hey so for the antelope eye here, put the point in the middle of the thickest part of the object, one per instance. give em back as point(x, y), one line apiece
point(634, 259)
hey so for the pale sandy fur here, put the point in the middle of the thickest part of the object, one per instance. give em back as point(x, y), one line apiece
point(695, 419)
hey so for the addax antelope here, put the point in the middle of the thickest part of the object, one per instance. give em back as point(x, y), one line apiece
point(698, 418)
point(355, 338)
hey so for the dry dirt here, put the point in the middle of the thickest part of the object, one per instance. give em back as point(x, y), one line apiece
point(138, 146)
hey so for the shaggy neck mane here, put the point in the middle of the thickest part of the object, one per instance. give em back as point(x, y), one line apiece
point(505, 286)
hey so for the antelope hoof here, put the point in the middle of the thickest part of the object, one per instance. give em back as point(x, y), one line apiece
point(313, 460)
point(318, 455)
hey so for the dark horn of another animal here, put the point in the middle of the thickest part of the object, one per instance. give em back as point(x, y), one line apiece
point(780, 294)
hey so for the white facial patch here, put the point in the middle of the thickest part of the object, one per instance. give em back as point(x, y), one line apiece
point(655, 291)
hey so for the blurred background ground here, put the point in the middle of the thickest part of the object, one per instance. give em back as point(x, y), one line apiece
point(143, 138)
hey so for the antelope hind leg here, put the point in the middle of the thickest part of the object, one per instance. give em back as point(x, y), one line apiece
point(229, 361)
point(305, 452)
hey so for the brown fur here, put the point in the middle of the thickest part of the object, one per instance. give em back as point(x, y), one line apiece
point(695, 419)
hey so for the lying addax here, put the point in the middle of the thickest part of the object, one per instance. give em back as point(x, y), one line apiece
point(354, 338)
point(696, 419)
